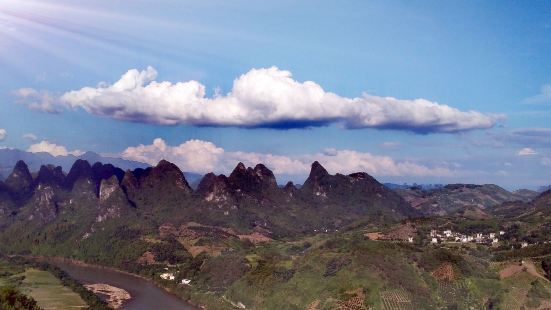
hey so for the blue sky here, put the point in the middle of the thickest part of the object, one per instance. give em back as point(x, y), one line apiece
point(490, 57)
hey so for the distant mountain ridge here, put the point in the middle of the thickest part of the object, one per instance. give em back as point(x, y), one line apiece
point(9, 158)
point(471, 200)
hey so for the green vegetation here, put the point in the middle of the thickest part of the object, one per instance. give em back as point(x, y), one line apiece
point(12, 299)
point(50, 286)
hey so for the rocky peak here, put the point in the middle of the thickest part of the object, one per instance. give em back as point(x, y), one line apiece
point(81, 169)
point(50, 175)
point(265, 175)
point(20, 181)
point(165, 172)
point(251, 180)
point(318, 170)
point(239, 168)
point(317, 173)
point(239, 172)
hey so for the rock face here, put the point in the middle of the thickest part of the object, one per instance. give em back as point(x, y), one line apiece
point(20, 181)
point(215, 188)
point(112, 200)
point(45, 203)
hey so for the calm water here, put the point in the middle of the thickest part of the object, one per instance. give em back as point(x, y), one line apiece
point(145, 295)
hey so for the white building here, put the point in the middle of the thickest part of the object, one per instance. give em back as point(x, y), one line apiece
point(168, 276)
point(501, 233)
point(410, 239)
point(186, 281)
point(492, 235)
point(434, 241)
point(448, 233)
point(495, 240)
point(524, 244)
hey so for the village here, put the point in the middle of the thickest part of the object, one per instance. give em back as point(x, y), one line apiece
point(408, 232)
point(449, 236)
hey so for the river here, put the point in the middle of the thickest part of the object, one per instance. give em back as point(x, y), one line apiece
point(144, 294)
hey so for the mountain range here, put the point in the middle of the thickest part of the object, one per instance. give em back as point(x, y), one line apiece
point(248, 199)
point(242, 238)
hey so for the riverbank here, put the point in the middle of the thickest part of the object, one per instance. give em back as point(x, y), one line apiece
point(74, 268)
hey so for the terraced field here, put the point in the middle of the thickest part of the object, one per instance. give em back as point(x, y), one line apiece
point(396, 299)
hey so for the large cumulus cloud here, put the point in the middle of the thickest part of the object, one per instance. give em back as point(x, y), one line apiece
point(267, 97)
point(204, 156)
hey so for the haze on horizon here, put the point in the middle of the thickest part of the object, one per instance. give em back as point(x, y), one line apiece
point(427, 92)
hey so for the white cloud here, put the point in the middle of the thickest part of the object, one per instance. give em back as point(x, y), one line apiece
point(543, 97)
point(203, 156)
point(526, 152)
point(267, 97)
point(53, 149)
point(38, 100)
point(30, 136)
point(3, 134)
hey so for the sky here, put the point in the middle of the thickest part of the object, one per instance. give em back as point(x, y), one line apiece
point(408, 91)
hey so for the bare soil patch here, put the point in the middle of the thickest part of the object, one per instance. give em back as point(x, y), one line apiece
point(115, 296)
point(444, 272)
point(147, 258)
point(355, 302)
point(374, 235)
point(255, 237)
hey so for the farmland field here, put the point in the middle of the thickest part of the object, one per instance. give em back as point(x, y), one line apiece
point(48, 291)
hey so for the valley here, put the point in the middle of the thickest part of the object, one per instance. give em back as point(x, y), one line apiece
point(243, 241)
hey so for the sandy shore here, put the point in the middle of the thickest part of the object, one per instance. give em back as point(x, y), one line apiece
point(116, 296)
